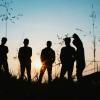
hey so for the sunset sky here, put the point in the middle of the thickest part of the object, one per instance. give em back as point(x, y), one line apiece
point(42, 20)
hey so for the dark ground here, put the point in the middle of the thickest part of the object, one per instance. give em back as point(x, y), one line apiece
point(14, 89)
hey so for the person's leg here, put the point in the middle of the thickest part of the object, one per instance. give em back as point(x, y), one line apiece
point(0, 67)
point(70, 71)
point(22, 70)
point(49, 69)
point(28, 68)
point(63, 71)
point(79, 74)
point(5, 66)
point(43, 68)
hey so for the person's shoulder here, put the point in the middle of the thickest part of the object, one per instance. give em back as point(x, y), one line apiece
point(30, 48)
point(52, 50)
point(21, 48)
point(6, 47)
point(63, 48)
point(73, 48)
point(44, 49)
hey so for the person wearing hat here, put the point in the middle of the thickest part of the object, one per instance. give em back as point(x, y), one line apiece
point(67, 57)
point(3, 55)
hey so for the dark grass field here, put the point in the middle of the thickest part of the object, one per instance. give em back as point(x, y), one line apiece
point(15, 89)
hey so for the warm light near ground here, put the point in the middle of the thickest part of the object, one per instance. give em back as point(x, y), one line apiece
point(37, 64)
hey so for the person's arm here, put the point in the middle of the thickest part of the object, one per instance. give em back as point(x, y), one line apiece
point(53, 58)
point(61, 55)
point(74, 54)
point(30, 52)
point(19, 54)
point(42, 56)
point(7, 50)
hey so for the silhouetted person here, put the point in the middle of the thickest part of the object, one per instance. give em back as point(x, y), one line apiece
point(80, 57)
point(24, 56)
point(47, 59)
point(3, 55)
point(67, 57)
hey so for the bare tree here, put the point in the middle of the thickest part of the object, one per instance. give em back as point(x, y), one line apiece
point(8, 14)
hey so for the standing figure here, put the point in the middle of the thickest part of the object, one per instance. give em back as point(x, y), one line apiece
point(3, 55)
point(24, 56)
point(47, 59)
point(80, 56)
point(67, 57)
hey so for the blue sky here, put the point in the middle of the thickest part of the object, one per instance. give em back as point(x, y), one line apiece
point(43, 19)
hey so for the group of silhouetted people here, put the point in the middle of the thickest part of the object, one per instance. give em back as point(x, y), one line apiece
point(68, 56)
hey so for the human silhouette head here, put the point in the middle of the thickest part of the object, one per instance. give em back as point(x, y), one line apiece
point(49, 43)
point(75, 36)
point(76, 40)
point(26, 42)
point(67, 41)
point(4, 40)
